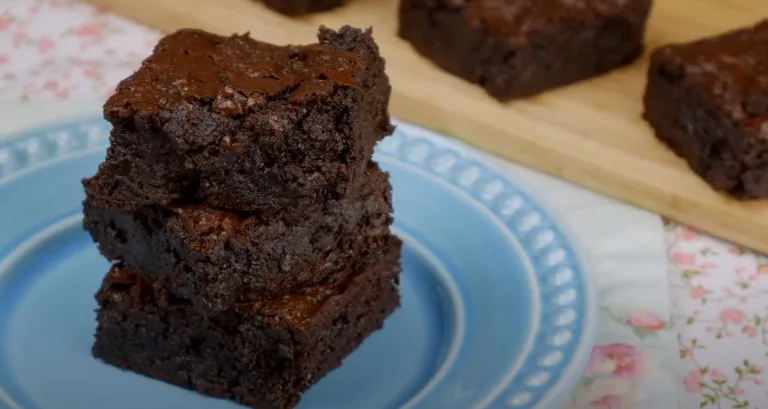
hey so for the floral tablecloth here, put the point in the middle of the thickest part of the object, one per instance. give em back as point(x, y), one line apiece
point(720, 302)
point(69, 51)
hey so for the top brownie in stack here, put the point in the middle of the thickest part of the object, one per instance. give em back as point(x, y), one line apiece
point(234, 123)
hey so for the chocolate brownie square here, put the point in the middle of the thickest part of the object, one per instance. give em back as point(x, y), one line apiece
point(301, 7)
point(263, 355)
point(519, 48)
point(708, 101)
point(216, 258)
point(239, 124)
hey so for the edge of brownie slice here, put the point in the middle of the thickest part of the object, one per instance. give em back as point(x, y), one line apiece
point(707, 100)
point(261, 354)
point(302, 7)
point(521, 48)
point(216, 258)
point(241, 124)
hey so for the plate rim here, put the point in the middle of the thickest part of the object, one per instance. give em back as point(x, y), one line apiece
point(571, 372)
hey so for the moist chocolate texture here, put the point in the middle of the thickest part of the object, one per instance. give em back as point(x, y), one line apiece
point(708, 101)
point(248, 226)
point(239, 124)
point(215, 258)
point(262, 355)
point(516, 49)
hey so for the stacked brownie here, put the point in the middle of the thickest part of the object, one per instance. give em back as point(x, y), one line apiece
point(248, 226)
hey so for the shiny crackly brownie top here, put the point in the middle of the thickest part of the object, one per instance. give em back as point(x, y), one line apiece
point(516, 18)
point(230, 73)
point(729, 70)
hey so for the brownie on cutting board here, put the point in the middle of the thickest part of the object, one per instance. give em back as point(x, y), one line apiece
point(708, 101)
point(519, 48)
point(262, 354)
point(235, 123)
point(216, 258)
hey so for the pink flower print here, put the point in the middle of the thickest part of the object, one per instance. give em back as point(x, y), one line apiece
point(92, 72)
point(683, 259)
point(19, 37)
point(735, 250)
point(62, 94)
point(686, 352)
point(607, 402)
point(605, 393)
point(645, 320)
point(732, 316)
point(757, 369)
point(697, 293)
point(708, 266)
point(687, 234)
point(4, 59)
point(692, 381)
point(758, 381)
point(749, 332)
point(87, 30)
point(50, 85)
point(717, 376)
point(625, 359)
point(5, 21)
point(46, 45)
point(599, 365)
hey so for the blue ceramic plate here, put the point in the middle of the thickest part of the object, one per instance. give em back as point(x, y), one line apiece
point(497, 310)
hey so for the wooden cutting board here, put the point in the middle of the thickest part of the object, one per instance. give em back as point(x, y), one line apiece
point(590, 133)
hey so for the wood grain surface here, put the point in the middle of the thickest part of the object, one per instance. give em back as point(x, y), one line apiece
point(590, 133)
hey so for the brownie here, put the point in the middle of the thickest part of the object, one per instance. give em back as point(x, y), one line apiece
point(216, 258)
point(708, 101)
point(239, 124)
point(263, 355)
point(301, 7)
point(519, 48)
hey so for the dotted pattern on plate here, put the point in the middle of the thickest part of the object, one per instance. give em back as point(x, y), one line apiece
point(48, 144)
point(562, 320)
